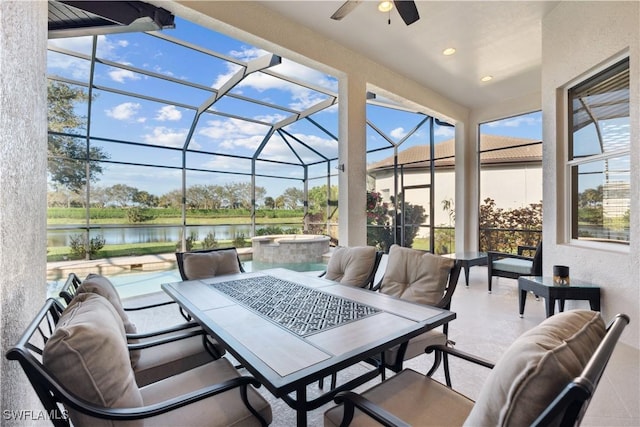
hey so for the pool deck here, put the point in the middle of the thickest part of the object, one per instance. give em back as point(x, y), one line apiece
point(61, 269)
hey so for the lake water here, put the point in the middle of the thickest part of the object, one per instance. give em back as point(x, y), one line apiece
point(121, 235)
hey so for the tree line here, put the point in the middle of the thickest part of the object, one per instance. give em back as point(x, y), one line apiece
point(237, 195)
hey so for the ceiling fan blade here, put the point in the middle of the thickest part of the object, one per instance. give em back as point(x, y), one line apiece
point(408, 10)
point(345, 9)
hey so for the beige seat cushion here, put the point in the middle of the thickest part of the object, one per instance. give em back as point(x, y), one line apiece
point(98, 284)
point(416, 399)
point(88, 354)
point(417, 345)
point(536, 367)
point(351, 266)
point(225, 409)
point(162, 361)
point(202, 265)
point(415, 275)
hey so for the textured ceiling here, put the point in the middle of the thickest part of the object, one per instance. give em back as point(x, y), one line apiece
point(501, 39)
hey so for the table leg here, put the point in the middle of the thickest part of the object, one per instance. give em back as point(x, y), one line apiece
point(523, 299)
point(561, 305)
point(301, 410)
point(466, 274)
point(594, 303)
point(550, 304)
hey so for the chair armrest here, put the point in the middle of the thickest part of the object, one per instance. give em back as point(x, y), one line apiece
point(147, 411)
point(175, 328)
point(523, 248)
point(165, 340)
point(460, 354)
point(146, 301)
point(492, 256)
point(144, 307)
point(352, 400)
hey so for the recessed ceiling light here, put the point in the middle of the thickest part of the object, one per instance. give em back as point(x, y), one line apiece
point(486, 78)
point(385, 6)
point(449, 51)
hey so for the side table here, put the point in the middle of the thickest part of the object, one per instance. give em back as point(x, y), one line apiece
point(546, 288)
point(468, 260)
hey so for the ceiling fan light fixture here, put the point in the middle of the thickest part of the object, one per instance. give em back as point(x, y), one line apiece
point(385, 5)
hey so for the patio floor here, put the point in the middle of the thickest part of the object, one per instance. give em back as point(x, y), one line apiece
point(486, 325)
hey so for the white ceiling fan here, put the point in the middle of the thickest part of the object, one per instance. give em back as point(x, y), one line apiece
point(406, 8)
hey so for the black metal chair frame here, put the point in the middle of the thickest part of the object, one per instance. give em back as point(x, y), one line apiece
point(70, 290)
point(567, 409)
point(53, 394)
point(536, 259)
point(439, 357)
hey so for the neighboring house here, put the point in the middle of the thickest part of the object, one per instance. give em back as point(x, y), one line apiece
point(511, 173)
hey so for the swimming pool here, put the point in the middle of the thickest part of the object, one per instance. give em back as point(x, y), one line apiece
point(130, 284)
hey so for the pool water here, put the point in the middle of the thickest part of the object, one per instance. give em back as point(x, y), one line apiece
point(137, 283)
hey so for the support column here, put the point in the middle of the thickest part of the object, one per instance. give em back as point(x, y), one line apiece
point(467, 188)
point(352, 162)
point(23, 188)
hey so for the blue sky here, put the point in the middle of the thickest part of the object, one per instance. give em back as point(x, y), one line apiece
point(164, 118)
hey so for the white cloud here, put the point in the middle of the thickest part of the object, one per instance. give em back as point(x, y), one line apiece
point(398, 133)
point(446, 131)
point(124, 111)
point(301, 97)
point(248, 53)
point(158, 69)
point(270, 118)
point(77, 67)
point(234, 133)
point(222, 78)
point(105, 48)
point(168, 112)
point(120, 75)
point(167, 137)
point(515, 122)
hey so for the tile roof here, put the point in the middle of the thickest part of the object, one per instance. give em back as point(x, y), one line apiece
point(493, 147)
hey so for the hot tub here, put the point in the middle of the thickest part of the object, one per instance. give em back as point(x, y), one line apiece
point(289, 248)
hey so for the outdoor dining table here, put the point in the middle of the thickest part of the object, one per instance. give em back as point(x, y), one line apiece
point(290, 329)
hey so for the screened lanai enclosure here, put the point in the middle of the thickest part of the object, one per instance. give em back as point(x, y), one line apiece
point(186, 138)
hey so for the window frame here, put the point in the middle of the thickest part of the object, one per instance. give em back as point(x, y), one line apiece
point(571, 163)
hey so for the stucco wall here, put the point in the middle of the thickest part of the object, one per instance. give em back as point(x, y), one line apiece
point(23, 161)
point(579, 38)
point(510, 188)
